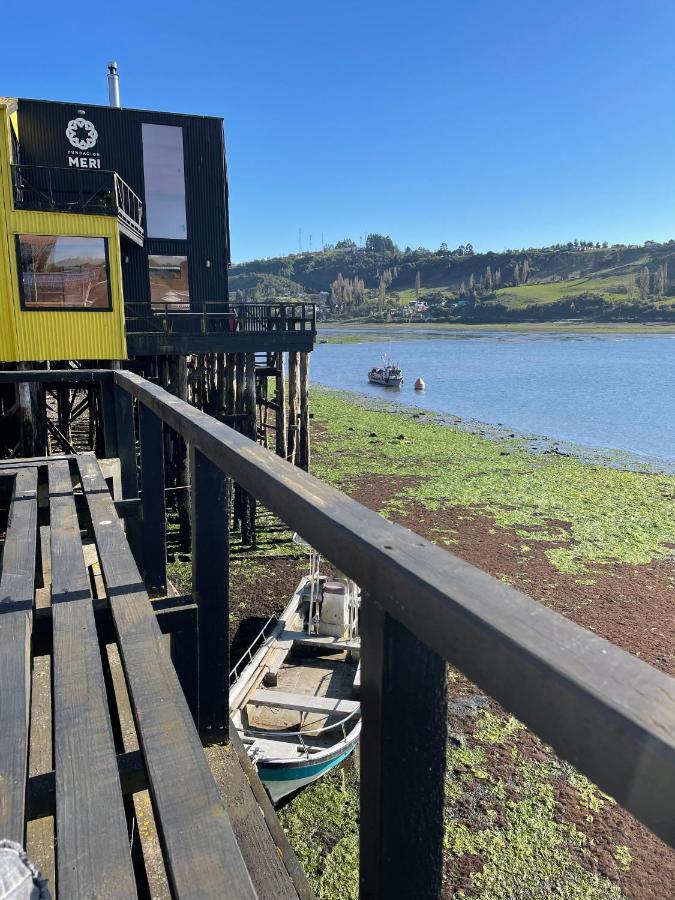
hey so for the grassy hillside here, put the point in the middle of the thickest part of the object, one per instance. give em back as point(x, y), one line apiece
point(572, 281)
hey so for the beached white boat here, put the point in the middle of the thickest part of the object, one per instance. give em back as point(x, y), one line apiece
point(388, 374)
point(294, 696)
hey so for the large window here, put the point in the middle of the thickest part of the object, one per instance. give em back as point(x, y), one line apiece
point(62, 272)
point(164, 181)
point(169, 282)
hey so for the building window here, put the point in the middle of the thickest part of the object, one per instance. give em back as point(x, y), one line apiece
point(63, 272)
point(169, 285)
point(164, 181)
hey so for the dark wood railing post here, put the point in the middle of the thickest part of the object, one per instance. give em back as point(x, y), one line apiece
point(210, 588)
point(126, 450)
point(108, 416)
point(152, 495)
point(403, 753)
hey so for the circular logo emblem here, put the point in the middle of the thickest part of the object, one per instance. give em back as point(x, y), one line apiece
point(81, 133)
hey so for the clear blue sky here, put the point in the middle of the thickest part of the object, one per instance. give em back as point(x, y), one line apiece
point(504, 124)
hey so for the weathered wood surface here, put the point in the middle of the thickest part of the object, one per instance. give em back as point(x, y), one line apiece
point(293, 404)
point(210, 588)
point(93, 857)
point(281, 442)
point(17, 583)
point(320, 641)
point(402, 759)
point(608, 713)
point(40, 827)
point(152, 492)
point(302, 702)
point(200, 850)
point(269, 877)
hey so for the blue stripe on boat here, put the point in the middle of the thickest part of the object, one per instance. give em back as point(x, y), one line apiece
point(287, 773)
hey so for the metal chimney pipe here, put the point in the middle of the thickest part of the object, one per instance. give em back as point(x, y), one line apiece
point(113, 85)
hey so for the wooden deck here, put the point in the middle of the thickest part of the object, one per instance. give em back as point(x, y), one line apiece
point(131, 805)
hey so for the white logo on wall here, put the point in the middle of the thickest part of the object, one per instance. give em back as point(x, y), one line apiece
point(81, 133)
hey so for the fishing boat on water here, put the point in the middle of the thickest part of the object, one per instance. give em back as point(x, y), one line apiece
point(294, 695)
point(388, 374)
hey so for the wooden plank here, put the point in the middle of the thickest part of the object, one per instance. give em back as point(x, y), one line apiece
point(210, 588)
point(302, 702)
point(56, 376)
point(145, 820)
point(275, 661)
point(609, 714)
point(357, 681)
point(278, 834)
point(40, 831)
point(200, 851)
point(322, 641)
point(268, 873)
point(17, 585)
point(93, 857)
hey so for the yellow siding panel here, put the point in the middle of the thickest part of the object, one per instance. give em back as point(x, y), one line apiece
point(54, 335)
point(8, 349)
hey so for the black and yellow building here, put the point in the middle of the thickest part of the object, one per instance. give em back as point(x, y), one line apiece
point(114, 239)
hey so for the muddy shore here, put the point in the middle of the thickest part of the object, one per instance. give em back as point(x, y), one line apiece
point(593, 543)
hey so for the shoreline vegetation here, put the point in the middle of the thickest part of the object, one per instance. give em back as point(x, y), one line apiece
point(560, 326)
point(594, 543)
point(378, 282)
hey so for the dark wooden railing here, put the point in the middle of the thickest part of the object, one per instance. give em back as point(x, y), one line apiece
point(605, 711)
point(216, 317)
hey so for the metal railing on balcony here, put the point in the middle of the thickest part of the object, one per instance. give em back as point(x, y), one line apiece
point(217, 317)
point(89, 191)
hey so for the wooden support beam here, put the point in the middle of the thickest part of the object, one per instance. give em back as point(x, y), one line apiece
point(404, 692)
point(126, 449)
point(303, 438)
point(230, 384)
point(280, 401)
point(152, 497)
point(210, 588)
point(293, 404)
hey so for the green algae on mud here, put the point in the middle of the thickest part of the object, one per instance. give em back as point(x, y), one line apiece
point(594, 514)
point(514, 828)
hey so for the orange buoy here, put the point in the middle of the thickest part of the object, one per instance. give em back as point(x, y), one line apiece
point(419, 385)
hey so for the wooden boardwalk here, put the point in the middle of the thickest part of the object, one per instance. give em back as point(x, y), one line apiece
point(133, 805)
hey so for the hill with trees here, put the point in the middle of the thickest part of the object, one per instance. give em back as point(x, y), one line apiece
point(380, 282)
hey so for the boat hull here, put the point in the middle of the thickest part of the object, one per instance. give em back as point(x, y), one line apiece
point(287, 778)
point(393, 381)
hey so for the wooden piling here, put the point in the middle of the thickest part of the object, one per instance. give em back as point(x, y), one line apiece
point(280, 400)
point(303, 439)
point(293, 401)
point(230, 384)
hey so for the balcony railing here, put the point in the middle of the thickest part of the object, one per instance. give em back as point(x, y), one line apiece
point(217, 317)
point(89, 191)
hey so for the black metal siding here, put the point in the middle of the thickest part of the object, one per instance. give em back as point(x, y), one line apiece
point(42, 132)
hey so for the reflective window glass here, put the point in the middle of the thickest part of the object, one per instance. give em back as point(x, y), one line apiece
point(169, 282)
point(63, 272)
point(164, 181)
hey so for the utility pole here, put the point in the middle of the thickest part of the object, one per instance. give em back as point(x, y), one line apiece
point(323, 248)
point(299, 240)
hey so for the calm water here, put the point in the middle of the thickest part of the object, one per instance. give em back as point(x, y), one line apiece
point(594, 390)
